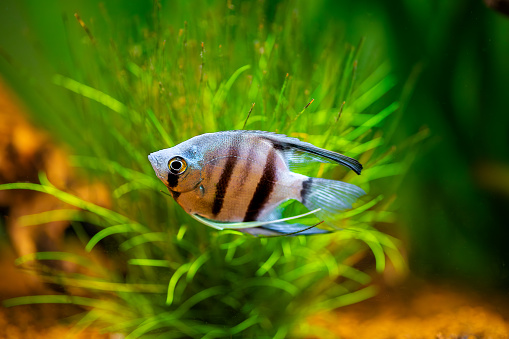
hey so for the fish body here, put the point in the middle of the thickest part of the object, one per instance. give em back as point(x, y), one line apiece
point(243, 176)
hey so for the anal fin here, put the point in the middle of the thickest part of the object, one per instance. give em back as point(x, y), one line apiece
point(287, 229)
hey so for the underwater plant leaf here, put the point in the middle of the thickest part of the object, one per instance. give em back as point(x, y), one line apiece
point(267, 265)
point(63, 256)
point(361, 208)
point(151, 262)
point(50, 216)
point(102, 285)
point(166, 137)
point(198, 297)
point(114, 229)
point(90, 93)
point(273, 283)
point(195, 266)
point(62, 299)
point(141, 239)
point(70, 199)
point(349, 298)
point(174, 280)
point(372, 122)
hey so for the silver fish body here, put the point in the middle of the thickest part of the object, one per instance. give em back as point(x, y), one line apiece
point(243, 176)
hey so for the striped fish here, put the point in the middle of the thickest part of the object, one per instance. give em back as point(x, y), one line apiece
point(237, 179)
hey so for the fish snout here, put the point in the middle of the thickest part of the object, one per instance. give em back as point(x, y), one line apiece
point(156, 162)
point(152, 159)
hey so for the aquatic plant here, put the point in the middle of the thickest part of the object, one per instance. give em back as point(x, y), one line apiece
point(120, 86)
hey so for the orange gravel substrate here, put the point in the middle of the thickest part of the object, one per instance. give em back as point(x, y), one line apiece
point(40, 322)
point(420, 310)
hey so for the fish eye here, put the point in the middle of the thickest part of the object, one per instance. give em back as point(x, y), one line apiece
point(177, 165)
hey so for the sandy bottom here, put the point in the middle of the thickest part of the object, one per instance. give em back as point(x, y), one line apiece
point(420, 310)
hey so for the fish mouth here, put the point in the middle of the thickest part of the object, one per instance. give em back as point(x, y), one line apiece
point(154, 158)
point(153, 161)
point(151, 158)
point(156, 162)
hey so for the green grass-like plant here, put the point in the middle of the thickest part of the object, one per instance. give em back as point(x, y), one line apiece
point(129, 85)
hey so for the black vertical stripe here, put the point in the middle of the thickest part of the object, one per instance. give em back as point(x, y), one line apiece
point(306, 185)
point(175, 195)
point(224, 180)
point(173, 180)
point(263, 189)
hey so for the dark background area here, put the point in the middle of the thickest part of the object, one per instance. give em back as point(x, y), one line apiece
point(457, 188)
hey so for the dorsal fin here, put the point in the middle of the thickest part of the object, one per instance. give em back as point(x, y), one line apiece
point(298, 152)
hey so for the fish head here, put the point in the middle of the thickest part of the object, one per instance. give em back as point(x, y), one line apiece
point(179, 167)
